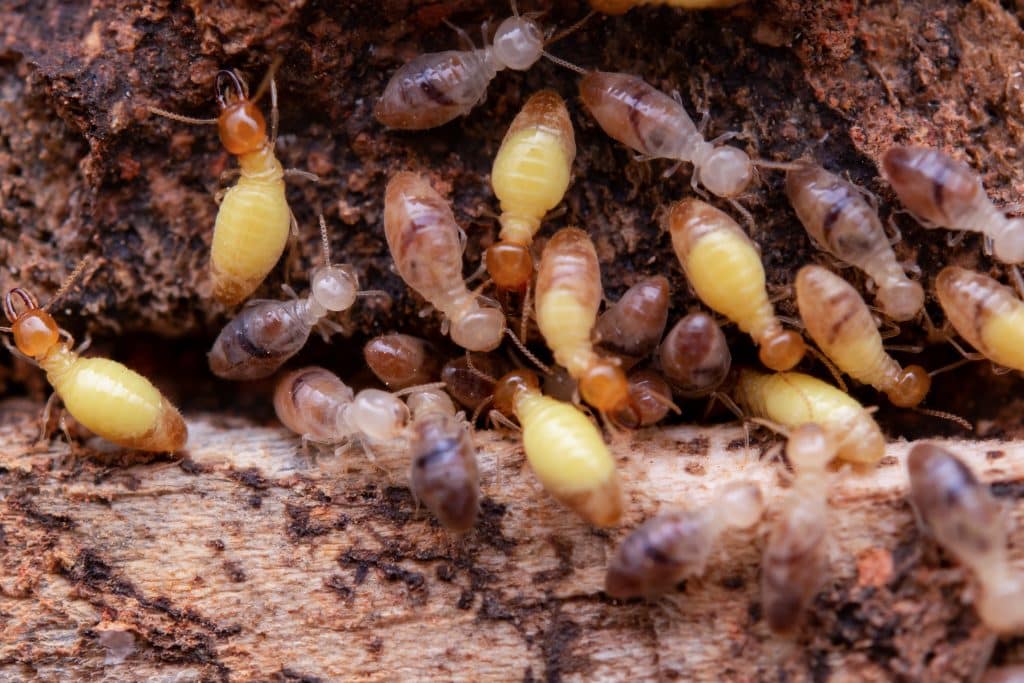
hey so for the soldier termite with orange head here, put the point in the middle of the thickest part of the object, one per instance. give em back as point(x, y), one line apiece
point(632, 327)
point(964, 518)
point(695, 356)
point(985, 313)
point(568, 297)
point(424, 241)
point(839, 322)
point(726, 272)
point(795, 560)
point(837, 216)
point(531, 173)
point(253, 220)
point(656, 126)
point(944, 192)
point(564, 449)
point(401, 360)
point(265, 334)
point(791, 399)
point(664, 550)
point(107, 398)
point(623, 6)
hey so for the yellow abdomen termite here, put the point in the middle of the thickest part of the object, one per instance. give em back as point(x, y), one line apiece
point(985, 313)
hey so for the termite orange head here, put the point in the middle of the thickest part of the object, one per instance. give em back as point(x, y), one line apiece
point(604, 386)
point(35, 331)
point(911, 387)
point(510, 265)
point(782, 351)
point(511, 384)
point(241, 125)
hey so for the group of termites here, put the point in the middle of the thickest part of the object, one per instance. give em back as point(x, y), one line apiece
point(615, 368)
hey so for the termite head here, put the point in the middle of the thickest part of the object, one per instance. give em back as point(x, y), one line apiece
point(509, 386)
point(782, 351)
point(510, 265)
point(604, 386)
point(911, 387)
point(741, 504)
point(810, 448)
point(376, 414)
point(241, 125)
point(518, 43)
point(480, 329)
point(35, 331)
point(727, 171)
point(902, 300)
point(1008, 246)
point(334, 287)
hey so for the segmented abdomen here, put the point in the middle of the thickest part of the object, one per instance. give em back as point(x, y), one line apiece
point(433, 89)
point(257, 341)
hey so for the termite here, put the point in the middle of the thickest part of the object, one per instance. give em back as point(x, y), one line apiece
point(656, 126)
point(437, 87)
point(665, 549)
point(791, 399)
point(425, 243)
point(695, 356)
point(265, 334)
point(471, 379)
point(944, 192)
point(401, 360)
point(623, 6)
point(839, 218)
point(568, 296)
point(985, 313)
point(564, 449)
point(531, 173)
point(795, 560)
point(726, 272)
point(632, 327)
point(253, 221)
point(107, 398)
point(650, 400)
point(839, 322)
point(963, 517)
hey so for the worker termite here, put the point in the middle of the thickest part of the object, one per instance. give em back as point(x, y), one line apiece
point(695, 356)
point(253, 220)
point(838, 218)
point(437, 87)
point(791, 399)
point(795, 560)
point(944, 192)
point(650, 400)
point(425, 243)
point(401, 360)
point(632, 327)
point(985, 313)
point(107, 398)
point(623, 6)
point(839, 322)
point(531, 173)
point(656, 126)
point(568, 297)
point(265, 334)
point(664, 550)
point(564, 449)
point(963, 517)
point(726, 272)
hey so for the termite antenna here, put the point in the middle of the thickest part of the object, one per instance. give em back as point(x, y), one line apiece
point(268, 78)
point(778, 165)
point(526, 352)
point(478, 372)
point(563, 63)
point(69, 282)
point(180, 118)
point(565, 33)
point(832, 369)
point(943, 415)
point(419, 387)
point(325, 241)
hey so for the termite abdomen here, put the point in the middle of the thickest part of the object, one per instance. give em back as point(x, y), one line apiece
point(695, 356)
point(401, 360)
point(632, 326)
point(444, 471)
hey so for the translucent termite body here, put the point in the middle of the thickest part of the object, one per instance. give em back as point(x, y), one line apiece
point(795, 561)
point(568, 296)
point(649, 400)
point(564, 449)
point(985, 313)
point(424, 241)
point(444, 474)
point(401, 360)
point(265, 334)
point(653, 124)
point(695, 356)
point(107, 398)
point(964, 518)
point(792, 399)
point(840, 323)
point(726, 272)
point(253, 221)
point(632, 327)
point(947, 193)
point(531, 173)
point(437, 87)
point(623, 6)
point(665, 549)
point(841, 221)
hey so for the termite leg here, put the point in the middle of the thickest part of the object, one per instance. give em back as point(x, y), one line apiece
point(275, 116)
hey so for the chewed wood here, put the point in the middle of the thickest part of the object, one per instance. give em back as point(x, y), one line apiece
point(247, 560)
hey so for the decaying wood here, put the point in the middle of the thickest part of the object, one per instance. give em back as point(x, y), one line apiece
point(249, 560)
